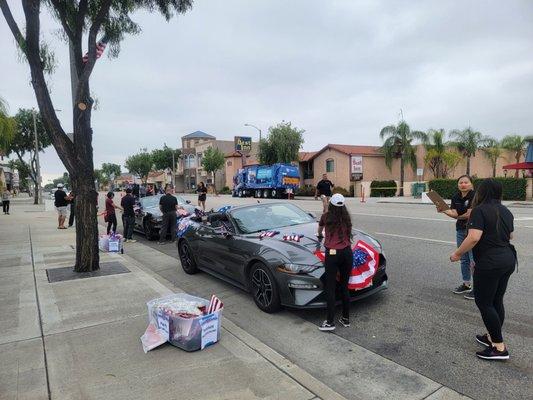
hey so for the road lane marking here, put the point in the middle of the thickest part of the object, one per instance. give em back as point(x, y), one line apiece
point(415, 238)
point(405, 217)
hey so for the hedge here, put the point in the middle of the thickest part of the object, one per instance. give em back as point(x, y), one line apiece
point(225, 190)
point(513, 188)
point(305, 190)
point(341, 190)
point(383, 189)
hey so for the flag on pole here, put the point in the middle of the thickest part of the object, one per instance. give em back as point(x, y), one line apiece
point(100, 47)
point(214, 305)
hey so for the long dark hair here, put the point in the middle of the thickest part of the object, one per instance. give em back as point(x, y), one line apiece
point(489, 191)
point(338, 221)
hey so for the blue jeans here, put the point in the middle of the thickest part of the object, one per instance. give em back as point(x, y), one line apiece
point(467, 258)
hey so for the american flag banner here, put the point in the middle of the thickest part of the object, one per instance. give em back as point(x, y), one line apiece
point(214, 305)
point(363, 268)
point(182, 212)
point(268, 234)
point(293, 238)
point(100, 47)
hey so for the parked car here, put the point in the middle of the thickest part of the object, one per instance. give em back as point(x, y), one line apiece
point(276, 272)
point(148, 216)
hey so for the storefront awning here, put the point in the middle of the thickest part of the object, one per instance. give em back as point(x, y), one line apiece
point(522, 165)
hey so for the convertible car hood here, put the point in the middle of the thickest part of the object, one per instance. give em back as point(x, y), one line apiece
point(155, 211)
point(302, 252)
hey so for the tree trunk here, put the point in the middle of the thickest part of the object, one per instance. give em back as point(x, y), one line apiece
point(401, 176)
point(517, 161)
point(36, 195)
point(87, 253)
point(215, 182)
point(468, 165)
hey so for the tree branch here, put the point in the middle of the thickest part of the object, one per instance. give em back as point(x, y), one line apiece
point(13, 25)
point(93, 32)
point(62, 143)
point(62, 12)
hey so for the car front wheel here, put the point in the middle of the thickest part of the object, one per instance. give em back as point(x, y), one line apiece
point(264, 289)
point(148, 232)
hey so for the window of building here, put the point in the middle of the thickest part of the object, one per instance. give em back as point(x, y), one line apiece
point(192, 161)
point(229, 163)
point(330, 165)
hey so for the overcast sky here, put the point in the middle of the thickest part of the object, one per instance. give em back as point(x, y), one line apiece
point(341, 70)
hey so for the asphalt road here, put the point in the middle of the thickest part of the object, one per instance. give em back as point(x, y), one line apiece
point(419, 323)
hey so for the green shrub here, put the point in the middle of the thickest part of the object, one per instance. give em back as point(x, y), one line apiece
point(513, 188)
point(305, 190)
point(445, 187)
point(383, 188)
point(225, 190)
point(341, 190)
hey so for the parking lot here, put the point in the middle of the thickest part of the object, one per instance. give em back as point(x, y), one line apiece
point(418, 322)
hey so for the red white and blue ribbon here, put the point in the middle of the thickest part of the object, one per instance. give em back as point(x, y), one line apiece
point(293, 238)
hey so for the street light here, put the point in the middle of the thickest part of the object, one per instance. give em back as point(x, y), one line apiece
point(253, 126)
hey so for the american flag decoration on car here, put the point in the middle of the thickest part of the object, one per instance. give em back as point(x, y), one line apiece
point(214, 305)
point(268, 234)
point(100, 47)
point(293, 238)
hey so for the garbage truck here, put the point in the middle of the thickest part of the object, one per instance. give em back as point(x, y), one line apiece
point(266, 181)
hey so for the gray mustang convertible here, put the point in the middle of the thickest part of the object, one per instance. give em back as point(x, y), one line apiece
point(270, 250)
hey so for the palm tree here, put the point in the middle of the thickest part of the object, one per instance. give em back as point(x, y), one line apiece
point(439, 159)
point(399, 144)
point(467, 142)
point(493, 151)
point(7, 127)
point(516, 144)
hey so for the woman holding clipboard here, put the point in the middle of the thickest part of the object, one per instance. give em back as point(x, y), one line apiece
point(460, 208)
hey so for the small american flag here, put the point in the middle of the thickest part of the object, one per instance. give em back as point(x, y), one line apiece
point(100, 47)
point(293, 238)
point(214, 305)
point(268, 234)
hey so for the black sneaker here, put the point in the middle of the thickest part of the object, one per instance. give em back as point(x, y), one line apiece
point(491, 353)
point(326, 326)
point(469, 295)
point(344, 322)
point(462, 289)
point(484, 340)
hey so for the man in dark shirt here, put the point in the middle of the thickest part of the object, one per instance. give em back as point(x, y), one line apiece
point(168, 204)
point(323, 189)
point(128, 217)
point(61, 202)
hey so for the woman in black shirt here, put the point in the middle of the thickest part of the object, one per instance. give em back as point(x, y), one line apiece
point(202, 195)
point(460, 207)
point(490, 230)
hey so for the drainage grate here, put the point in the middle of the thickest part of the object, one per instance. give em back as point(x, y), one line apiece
point(68, 274)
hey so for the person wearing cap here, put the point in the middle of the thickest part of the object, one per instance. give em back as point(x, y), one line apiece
point(323, 188)
point(61, 204)
point(337, 226)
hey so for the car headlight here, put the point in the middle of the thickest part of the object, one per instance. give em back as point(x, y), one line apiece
point(290, 268)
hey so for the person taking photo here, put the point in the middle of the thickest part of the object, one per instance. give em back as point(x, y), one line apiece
point(490, 229)
point(337, 225)
point(460, 207)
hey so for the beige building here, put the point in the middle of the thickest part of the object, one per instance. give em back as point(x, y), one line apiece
point(189, 171)
point(335, 160)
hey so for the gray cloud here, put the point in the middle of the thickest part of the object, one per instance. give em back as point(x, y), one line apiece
point(339, 69)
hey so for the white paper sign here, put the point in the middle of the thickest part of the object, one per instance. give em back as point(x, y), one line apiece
point(114, 245)
point(209, 325)
point(419, 171)
point(162, 323)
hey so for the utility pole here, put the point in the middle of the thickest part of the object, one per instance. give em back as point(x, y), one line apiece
point(37, 164)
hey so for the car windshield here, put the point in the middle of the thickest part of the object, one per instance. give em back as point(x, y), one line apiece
point(269, 216)
point(153, 201)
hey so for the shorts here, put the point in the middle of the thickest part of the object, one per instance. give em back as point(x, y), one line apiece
point(62, 211)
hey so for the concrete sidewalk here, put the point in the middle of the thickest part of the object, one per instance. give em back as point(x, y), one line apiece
point(79, 339)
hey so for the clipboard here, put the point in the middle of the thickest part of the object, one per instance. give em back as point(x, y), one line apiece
point(437, 200)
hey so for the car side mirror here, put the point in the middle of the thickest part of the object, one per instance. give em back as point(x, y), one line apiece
point(188, 201)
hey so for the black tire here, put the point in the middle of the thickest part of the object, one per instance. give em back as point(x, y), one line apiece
point(264, 288)
point(187, 260)
point(266, 194)
point(258, 194)
point(240, 193)
point(274, 194)
point(148, 232)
